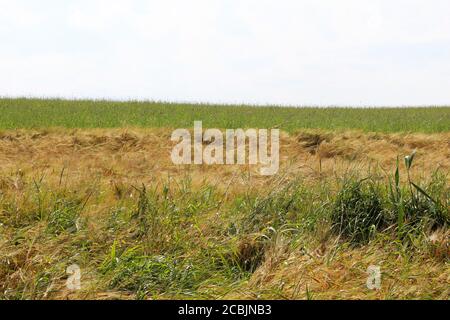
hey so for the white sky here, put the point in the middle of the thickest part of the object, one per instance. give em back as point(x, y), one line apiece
point(297, 52)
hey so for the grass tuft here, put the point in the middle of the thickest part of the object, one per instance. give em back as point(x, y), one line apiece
point(358, 212)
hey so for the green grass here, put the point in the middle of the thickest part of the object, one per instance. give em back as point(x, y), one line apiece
point(41, 113)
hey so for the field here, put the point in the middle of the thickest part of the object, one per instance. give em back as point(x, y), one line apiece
point(92, 184)
point(35, 113)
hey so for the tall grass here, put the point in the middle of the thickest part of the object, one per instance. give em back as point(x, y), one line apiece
point(172, 240)
point(363, 207)
point(36, 113)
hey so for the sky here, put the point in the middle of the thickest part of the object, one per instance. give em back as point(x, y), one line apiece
point(283, 52)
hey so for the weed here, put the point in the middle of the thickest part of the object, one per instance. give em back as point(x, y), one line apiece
point(418, 208)
point(64, 216)
point(149, 275)
point(358, 211)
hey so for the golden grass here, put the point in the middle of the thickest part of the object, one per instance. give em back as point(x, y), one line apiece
point(142, 155)
point(340, 272)
point(112, 162)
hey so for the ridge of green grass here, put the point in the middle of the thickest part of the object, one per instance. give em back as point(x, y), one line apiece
point(23, 113)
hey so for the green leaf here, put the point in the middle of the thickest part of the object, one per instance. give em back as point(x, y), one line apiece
point(423, 192)
point(397, 177)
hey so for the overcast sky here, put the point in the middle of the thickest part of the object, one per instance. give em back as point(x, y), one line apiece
point(296, 52)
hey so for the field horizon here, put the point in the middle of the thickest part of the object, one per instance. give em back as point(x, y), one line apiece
point(38, 113)
point(215, 103)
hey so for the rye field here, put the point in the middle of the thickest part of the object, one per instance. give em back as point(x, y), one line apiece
point(41, 113)
point(91, 184)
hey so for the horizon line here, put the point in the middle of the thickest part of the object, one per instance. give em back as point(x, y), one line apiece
point(217, 103)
